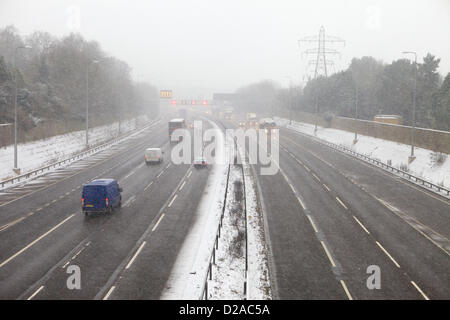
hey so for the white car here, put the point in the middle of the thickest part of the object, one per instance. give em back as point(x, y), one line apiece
point(153, 155)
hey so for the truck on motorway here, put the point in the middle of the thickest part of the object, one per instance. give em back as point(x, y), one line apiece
point(228, 114)
point(251, 119)
point(176, 124)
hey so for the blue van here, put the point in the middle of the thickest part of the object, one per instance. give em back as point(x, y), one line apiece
point(101, 195)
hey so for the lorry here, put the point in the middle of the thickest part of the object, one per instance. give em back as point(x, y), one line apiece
point(176, 124)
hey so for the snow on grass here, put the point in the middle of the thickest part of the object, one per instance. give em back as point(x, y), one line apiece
point(424, 166)
point(228, 274)
point(36, 154)
point(258, 281)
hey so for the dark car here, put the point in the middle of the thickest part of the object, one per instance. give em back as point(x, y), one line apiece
point(101, 195)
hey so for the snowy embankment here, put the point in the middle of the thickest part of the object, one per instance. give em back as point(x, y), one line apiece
point(36, 154)
point(424, 166)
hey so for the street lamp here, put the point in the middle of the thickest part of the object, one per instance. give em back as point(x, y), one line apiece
point(16, 169)
point(412, 157)
point(87, 100)
point(355, 140)
point(290, 98)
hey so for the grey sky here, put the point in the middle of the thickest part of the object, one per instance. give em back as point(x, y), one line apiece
point(197, 47)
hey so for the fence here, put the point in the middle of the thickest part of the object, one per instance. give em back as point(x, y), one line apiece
point(70, 159)
point(429, 185)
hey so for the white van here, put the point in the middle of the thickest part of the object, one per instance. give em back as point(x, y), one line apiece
point(153, 155)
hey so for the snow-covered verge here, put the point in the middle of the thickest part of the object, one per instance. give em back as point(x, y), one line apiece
point(228, 272)
point(39, 153)
point(425, 166)
point(258, 281)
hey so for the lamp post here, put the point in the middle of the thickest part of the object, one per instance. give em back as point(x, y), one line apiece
point(290, 98)
point(16, 169)
point(87, 100)
point(412, 157)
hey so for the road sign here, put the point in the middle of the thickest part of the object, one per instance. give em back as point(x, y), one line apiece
point(165, 94)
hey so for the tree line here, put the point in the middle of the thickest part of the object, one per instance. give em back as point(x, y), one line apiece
point(366, 88)
point(51, 79)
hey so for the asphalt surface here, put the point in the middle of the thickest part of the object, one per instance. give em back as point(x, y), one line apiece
point(330, 218)
point(43, 232)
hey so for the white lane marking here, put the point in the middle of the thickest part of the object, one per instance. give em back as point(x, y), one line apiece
point(326, 187)
point(160, 174)
point(317, 178)
point(10, 224)
point(109, 293)
point(181, 188)
point(35, 293)
point(189, 174)
point(157, 223)
point(301, 203)
point(129, 201)
point(148, 186)
point(128, 175)
point(362, 226)
point(342, 204)
point(135, 255)
point(306, 168)
point(292, 187)
point(173, 199)
point(421, 292)
point(349, 296)
point(39, 209)
point(35, 241)
point(168, 166)
point(328, 254)
point(387, 253)
point(312, 223)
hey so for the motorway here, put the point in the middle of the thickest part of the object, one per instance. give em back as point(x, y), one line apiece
point(329, 217)
point(127, 254)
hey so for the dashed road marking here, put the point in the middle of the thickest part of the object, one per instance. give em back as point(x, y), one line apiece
point(301, 203)
point(36, 240)
point(109, 293)
point(160, 174)
point(342, 204)
point(326, 187)
point(189, 174)
point(362, 226)
point(157, 223)
point(420, 291)
point(135, 255)
point(387, 253)
point(173, 199)
point(312, 223)
point(317, 178)
point(181, 188)
point(328, 253)
point(148, 186)
point(35, 293)
point(349, 296)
